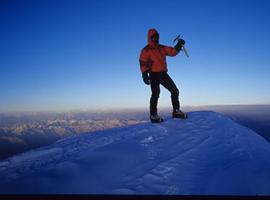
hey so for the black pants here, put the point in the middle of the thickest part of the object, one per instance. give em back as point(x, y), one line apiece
point(164, 79)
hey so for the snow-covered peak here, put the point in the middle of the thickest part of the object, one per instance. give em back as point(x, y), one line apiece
point(207, 154)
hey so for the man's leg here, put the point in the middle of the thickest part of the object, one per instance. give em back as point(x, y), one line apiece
point(154, 79)
point(168, 83)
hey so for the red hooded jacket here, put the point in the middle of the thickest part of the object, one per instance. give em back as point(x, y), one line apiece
point(153, 56)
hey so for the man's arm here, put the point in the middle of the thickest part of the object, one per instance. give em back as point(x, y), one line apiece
point(170, 51)
point(144, 66)
point(144, 61)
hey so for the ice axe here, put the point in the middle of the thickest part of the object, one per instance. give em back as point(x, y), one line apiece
point(184, 49)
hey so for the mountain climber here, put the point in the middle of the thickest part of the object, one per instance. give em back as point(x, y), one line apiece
point(154, 72)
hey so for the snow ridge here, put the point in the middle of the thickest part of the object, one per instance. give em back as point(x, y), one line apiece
point(207, 154)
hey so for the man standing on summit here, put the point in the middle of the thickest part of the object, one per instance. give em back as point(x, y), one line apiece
point(154, 72)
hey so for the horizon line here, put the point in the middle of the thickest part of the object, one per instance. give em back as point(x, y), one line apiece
point(119, 109)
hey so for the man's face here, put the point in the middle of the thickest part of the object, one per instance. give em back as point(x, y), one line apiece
point(155, 38)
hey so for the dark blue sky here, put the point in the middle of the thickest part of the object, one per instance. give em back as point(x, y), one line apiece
point(84, 54)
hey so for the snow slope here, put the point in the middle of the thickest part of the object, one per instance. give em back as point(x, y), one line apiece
point(207, 154)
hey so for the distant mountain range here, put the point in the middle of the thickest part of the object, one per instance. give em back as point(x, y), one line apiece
point(26, 131)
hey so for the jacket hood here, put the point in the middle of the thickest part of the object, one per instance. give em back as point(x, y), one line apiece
point(151, 32)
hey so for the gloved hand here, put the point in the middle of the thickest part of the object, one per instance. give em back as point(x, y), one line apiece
point(145, 76)
point(179, 44)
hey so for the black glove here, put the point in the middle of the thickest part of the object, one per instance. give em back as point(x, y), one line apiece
point(179, 44)
point(146, 79)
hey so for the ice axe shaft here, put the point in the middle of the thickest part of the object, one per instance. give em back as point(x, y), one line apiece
point(184, 49)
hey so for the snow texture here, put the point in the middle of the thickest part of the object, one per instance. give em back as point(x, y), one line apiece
point(207, 154)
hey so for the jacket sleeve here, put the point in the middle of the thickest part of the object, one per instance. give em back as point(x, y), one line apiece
point(170, 51)
point(144, 61)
